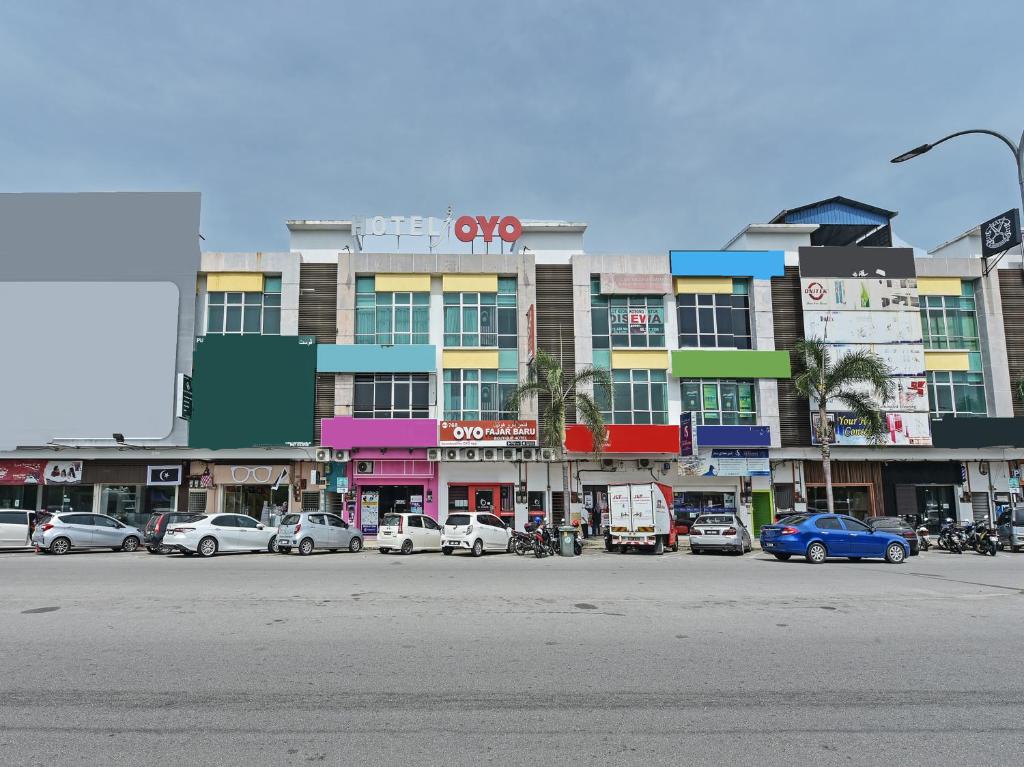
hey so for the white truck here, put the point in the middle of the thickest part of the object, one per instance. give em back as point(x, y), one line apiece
point(640, 516)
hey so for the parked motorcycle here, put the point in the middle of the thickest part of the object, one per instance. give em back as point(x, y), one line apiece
point(986, 539)
point(950, 538)
point(521, 542)
point(923, 541)
point(543, 541)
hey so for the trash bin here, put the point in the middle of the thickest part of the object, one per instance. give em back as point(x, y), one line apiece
point(567, 541)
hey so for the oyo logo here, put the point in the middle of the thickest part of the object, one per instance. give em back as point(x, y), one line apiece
point(468, 432)
point(468, 228)
point(816, 291)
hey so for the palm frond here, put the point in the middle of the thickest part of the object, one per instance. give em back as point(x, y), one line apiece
point(599, 377)
point(860, 367)
point(863, 407)
point(590, 415)
point(812, 360)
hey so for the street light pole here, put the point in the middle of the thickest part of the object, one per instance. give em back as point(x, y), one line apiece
point(1016, 149)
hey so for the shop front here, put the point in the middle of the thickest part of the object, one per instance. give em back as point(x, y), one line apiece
point(856, 488)
point(21, 484)
point(258, 490)
point(129, 491)
point(926, 491)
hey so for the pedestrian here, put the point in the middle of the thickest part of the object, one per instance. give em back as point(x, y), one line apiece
point(583, 525)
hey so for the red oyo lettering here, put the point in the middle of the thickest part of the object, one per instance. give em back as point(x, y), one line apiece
point(508, 228)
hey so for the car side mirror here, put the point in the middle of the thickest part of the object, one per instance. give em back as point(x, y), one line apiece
point(259, 527)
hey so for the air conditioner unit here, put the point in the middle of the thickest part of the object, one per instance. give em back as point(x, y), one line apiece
point(470, 454)
point(643, 463)
point(489, 454)
point(433, 454)
point(323, 455)
point(507, 454)
point(528, 454)
point(342, 456)
point(450, 454)
point(548, 454)
point(364, 467)
point(609, 463)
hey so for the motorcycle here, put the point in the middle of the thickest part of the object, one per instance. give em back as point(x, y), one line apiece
point(923, 541)
point(521, 542)
point(542, 541)
point(986, 539)
point(950, 538)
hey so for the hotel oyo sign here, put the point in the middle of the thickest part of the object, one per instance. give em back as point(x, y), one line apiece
point(468, 228)
point(490, 433)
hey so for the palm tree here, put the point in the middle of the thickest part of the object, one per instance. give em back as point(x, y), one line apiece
point(545, 377)
point(856, 381)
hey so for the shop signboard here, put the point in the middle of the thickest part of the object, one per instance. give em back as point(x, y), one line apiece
point(636, 284)
point(1000, 233)
point(863, 327)
point(901, 429)
point(183, 402)
point(62, 473)
point(686, 434)
point(369, 503)
point(488, 433)
point(252, 474)
point(625, 438)
point(636, 320)
point(730, 462)
point(22, 472)
point(861, 295)
point(163, 475)
point(910, 395)
point(901, 359)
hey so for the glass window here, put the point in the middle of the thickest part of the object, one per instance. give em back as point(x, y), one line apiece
point(478, 394)
point(246, 313)
point(626, 321)
point(854, 526)
point(244, 521)
point(415, 521)
point(951, 322)
point(715, 320)
point(391, 395)
point(485, 320)
point(390, 318)
point(827, 523)
point(720, 403)
point(637, 397)
point(958, 393)
point(225, 520)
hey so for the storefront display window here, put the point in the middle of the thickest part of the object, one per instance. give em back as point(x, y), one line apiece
point(688, 505)
point(18, 496)
point(133, 504)
point(67, 497)
point(257, 501)
point(854, 500)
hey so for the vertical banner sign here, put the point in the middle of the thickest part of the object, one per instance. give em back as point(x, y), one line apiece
point(183, 404)
point(686, 434)
point(369, 503)
point(1000, 233)
point(531, 333)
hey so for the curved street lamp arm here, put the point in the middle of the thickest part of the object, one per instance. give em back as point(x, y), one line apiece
point(1014, 148)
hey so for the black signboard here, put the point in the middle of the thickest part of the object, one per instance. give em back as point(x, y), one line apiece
point(1001, 233)
point(869, 263)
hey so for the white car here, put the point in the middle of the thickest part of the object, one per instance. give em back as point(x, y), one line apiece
point(15, 525)
point(221, 532)
point(476, 532)
point(408, 533)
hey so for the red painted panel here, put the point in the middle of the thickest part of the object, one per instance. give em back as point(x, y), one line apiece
point(625, 438)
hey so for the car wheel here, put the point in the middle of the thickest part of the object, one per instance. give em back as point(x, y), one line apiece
point(272, 546)
point(306, 547)
point(478, 548)
point(694, 550)
point(383, 551)
point(675, 546)
point(511, 546)
point(355, 544)
point(446, 550)
point(60, 546)
point(817, 553)
point(131, 543)
point(895, 554)
point(608, 544)
point(153, 549)
point(783, 557)
point(407, 547)
point(622, 548)
point(659, 545)
point(207, 547)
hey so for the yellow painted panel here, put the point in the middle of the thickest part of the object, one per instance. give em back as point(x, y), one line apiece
point(403, 283)
point(235, 282)
point(485, 359)
point(947, 361)
point(938, 286)
point(703, 285)
point(640, 359)
point(469, 283)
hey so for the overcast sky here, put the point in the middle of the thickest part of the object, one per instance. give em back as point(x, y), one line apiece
point(662, 128)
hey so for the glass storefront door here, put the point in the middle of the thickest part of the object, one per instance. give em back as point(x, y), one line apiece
point(67, 497)
point(18, 496)
point(256, 501)
point(934, 504)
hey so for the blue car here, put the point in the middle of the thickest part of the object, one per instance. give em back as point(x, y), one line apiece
point(820, 536)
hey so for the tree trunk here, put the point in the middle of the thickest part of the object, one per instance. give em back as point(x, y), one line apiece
point(566, 494)
point(825, 440)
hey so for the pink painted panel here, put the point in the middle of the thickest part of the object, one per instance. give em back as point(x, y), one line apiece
point(346, 432)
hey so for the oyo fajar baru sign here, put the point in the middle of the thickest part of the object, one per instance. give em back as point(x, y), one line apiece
point(489, 433)
point(468, 228)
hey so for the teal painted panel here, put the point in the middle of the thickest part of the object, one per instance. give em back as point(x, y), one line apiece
point(252, 391)
point(603, 358)
point(508, 359)
point(372, 358)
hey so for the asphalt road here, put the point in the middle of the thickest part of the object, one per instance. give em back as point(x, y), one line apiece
point(125, 659)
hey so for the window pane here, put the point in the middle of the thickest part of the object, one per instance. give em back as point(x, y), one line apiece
point(710, 397)
point(215, 319)
point(252, 319)
point(234, 319)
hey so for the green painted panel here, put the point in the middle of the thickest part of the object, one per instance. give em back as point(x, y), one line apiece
point(253, 391)
point(762, 510)
point(730, 363)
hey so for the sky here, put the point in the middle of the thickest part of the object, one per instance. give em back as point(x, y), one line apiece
point(662, 125)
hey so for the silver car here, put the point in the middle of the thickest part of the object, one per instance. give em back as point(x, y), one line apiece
point(719, 532)
point(60, 533)
point(311, 530)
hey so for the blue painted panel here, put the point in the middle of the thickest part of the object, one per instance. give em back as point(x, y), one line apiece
point(734, 436)
point(760, 264)
point(371, 358)
point(836, 213)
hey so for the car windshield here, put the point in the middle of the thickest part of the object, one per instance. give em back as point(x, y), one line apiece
point(391, 520)
point(290, 519)
point(792, 519)
point(458, 519)
point(884, 522)
point(714, 520)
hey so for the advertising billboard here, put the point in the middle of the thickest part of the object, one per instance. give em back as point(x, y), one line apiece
point(873, 295)
point(854, 261)
point(902, 359)
point(910, 395)
point(863, 327)
point(901, 429)
point(488, 433)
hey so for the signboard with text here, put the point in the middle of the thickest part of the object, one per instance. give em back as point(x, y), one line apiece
point(488, 433)
point(901, 429)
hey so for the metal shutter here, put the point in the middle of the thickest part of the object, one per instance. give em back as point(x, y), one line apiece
point(318, 302)
point(311, 500)
point(556, 331)
point(794, 410)
point(1011, 290)
point(197, 501)
point(323, 407)
point(336, 503)
point(906, 500)
point(979, 505)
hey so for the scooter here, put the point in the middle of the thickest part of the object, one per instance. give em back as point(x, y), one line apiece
point(949, 538)
point(923, 541)
point(986, 539)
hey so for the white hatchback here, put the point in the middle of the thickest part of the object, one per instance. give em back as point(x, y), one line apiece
point(408, 533)
point(475, 532)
